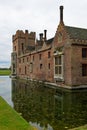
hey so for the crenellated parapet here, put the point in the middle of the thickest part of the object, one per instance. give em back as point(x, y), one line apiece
point(22, 34)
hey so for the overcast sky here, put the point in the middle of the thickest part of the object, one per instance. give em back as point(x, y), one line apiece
point(36, 15)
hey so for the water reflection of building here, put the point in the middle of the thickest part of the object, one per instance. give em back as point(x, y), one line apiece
point(60, 109)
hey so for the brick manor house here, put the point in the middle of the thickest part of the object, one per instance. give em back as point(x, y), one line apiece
point(61, 59)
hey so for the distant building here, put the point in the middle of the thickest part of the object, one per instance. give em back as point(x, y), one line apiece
point(61, 59)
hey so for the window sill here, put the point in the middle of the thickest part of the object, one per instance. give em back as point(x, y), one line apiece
point(58, 78)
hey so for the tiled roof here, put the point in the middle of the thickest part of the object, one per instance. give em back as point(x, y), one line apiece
point(76, 33)
point(49, 41)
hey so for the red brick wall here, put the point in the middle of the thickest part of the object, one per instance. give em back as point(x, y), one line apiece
point(77, 62)
point(67, 66)
point(72, 60)
point(41, 74)
point(65, 43)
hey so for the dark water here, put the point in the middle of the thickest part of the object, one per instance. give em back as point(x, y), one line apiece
point(47, 108)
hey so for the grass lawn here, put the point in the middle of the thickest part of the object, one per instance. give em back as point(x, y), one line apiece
point(10, 119)
point(5, 72)
point(80, 128)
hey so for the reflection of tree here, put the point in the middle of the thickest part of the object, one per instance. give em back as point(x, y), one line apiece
point(59, 109)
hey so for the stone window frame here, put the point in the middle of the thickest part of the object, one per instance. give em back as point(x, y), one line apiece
point(49, 54)
point(84, 52)
point(41, 66)
point(31, 67)
point(14, 67)
point(60, 67)
point(49, 66)
point(25, 70)
point(84, 70)
point(22, 47)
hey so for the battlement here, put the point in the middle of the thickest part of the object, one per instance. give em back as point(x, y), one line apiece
point(21, 34)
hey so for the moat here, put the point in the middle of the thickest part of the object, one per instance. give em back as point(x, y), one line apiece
point(45, 107)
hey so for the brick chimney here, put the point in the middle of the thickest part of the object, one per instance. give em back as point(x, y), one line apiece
point(45, 35)
point(61, 14)
point(26, 31)
point(41, 36)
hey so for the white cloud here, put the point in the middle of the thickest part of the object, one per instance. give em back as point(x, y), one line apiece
point(36, 15)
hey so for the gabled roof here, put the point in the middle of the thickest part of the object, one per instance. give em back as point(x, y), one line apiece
point(76, 33)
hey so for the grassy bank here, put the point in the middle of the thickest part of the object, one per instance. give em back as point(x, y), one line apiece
point(5, 72)
point(80, 128)
point(10, 119)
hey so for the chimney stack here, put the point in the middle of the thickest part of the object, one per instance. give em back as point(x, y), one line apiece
point(41, 36)
point(61, 14)
point(26, 31)
point(45, 35)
